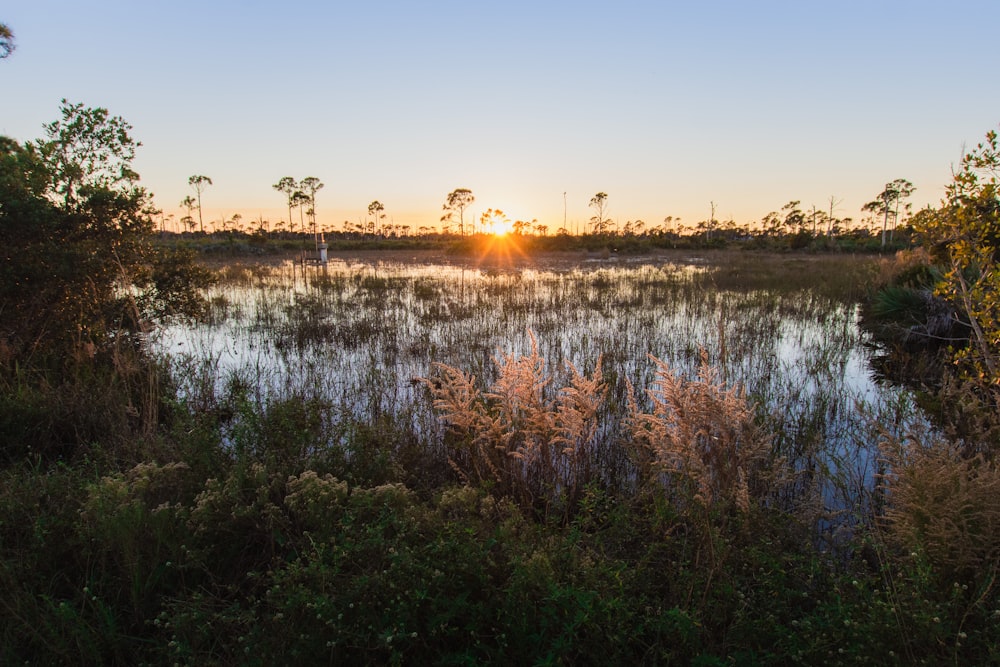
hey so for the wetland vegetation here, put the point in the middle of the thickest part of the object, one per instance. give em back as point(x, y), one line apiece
point(694, 456)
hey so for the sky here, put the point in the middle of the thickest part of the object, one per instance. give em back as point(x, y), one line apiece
point(668, 107)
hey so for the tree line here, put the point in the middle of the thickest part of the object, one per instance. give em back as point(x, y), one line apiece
point(799, 226)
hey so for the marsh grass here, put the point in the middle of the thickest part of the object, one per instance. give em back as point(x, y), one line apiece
point(607, 463)
point(702, 436)
point(523, 437)
point(102, 407)
point(355, 335)
point(942, 504)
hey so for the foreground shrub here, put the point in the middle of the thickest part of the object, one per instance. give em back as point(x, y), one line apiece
point(101, 408)
point(259, 565)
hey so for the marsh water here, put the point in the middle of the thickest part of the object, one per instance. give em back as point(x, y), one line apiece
point(356, 334)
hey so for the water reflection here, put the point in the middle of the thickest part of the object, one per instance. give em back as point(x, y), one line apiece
point(356, 334)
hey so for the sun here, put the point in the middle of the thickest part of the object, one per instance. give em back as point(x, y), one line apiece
point(503, 227)
point(495, 222)
point(501, 242)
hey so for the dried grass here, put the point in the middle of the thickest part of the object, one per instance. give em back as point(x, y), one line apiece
point(903, 263)
point(941, 504)
point(520, 437)
point(701, 437)
point(524, 439)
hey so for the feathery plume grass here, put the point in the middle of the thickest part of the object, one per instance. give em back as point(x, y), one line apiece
point(519, 437)
point(701, 436)
point(942, 503)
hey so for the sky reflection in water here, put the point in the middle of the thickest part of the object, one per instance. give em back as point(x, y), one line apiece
point(357, 334)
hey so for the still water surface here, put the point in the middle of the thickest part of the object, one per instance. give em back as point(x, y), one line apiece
point(356, 334)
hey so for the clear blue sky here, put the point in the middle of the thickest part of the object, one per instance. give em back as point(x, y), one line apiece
point(665, 106)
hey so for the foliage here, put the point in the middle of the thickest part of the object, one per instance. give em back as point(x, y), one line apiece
point(288, 186)
point(79, 270)
point(267, 562)
point(199, 183)
point(599, 222)
point(942, 505)
point(886, 204)
point(80, 283)
point(964, 236)
point(310, 186)
point(903, 310)
point(88, 153)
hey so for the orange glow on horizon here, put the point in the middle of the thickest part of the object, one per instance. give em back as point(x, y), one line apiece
point(495, 222)
point(503, 250)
